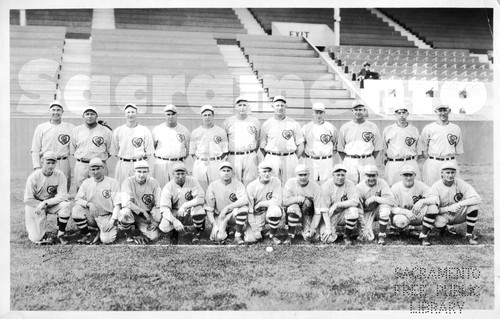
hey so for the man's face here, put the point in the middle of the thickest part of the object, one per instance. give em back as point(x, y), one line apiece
point(141, 174)
point(448, 175)
point(318, 116)
point(303, 178)
point(408, 180)
point(443, 114)
point(171, 118)
point(49, 166)
point(207, 118)
point(371, 179)
point(401, 115)
point(97, 172)
point(339, 178)
point(179, 177)
point(279, 107)
point(90, 117)
point(265, 174)
point(226, 174)
point(56, 112)
point(130, 113)
point(242, 107)
point(359, 112)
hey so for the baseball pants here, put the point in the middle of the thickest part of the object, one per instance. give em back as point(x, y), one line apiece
point(65, 167)
point(431, 171)
point(381, 213)
point(82, 172)
point(36, 225)
point(342, 217)
point(245, 167)
point(238, 216)
point(206, 172)
point(283, 166)
point(392, 173)
point(127, 218)
point(401, 221)
point(355, 167)
point(455, 219)
point(271, 216)
point(195, 216)
point(321, 169)
point(123, 170)
point(95, 220)
point(162, 170)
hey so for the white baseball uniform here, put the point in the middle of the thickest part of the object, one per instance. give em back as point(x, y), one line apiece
point(320, 145)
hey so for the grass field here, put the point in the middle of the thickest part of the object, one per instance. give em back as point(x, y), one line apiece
point(302, 277)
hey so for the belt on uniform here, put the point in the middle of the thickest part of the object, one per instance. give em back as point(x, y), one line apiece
point(241, 153)
point(442, 158)
point(318, 157)
point(401, 159)
point(132, 159)
point(83, 160)
point(171, 159)
point(359, 156)
point(281, 154)
point(206, 159)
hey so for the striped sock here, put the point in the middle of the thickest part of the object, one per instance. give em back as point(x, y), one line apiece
point(82, 225)
point(349, 226)
point(199, 222)
point(62, 222)
point(241, 219)
point(428, 223)
point(471, 221)
point(382, 225)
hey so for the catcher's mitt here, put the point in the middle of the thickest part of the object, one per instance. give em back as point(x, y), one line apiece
point(307, 206)
point(104, 124)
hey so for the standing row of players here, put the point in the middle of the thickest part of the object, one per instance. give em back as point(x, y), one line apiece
point(301, 203)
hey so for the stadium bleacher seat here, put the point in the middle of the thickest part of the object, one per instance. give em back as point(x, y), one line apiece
point(77, 21)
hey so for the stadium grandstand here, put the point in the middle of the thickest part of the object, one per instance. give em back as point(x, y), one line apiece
point(196, 56)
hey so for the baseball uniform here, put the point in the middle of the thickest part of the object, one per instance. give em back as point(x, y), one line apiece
point(130, 144)
point(280, 139)
point(171, 146)
point(55, 138)
point(401, 144)
point(442, 143)
point(105, 195)
point(358, 142)
point(320, 145)
point(86, 144)
point(208, 145)
point(38, 189)
point(243, 138)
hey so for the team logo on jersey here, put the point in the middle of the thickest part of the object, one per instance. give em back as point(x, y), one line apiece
point(63, 139)
point(452, 139)
point(325, 138)
point(343, 198)
point(232, 197)
point(269, 195)
point(416, 198)
point(137, 142)
point(409, 141)
point(367, 136)
point(189, 195)
point(106, 193)
point(52, 189)
point(379, 194)
point(181, 138)
point(458, 197)
point(147, 199)
point(97, 140)
point(217, 139)
point(287, 134)
point(252, 130)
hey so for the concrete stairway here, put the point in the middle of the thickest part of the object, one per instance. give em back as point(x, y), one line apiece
point(248, 21)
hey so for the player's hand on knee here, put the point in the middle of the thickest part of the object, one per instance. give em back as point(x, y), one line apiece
point(182, 212)
point(146, 216)
point(417, 207)
point(178, 225)
point(454, 208)
point(151, 227)
point(332, 210)
point(141, 240)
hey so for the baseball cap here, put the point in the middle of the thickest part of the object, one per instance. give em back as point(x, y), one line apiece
point(240, 98)
point(225, 164)
point(404, 106)
point(207, 107)
point(141, 164)
point(366, 63)
point(408, 169)
point(441, 106)
point(318, 107)
point(170, 107)
point(129, 105)
point(90, 108)
point(449, 165)
point(55, 103)
point(96, 162)
point(265, 164)
point(179, 166)
point(339, 167)
point(356, 103)
point(301, 168)
point(371, 169)
point(49, 155)
point(279, 98)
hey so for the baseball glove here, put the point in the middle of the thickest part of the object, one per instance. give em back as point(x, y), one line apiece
point(307, 207)
point(104, 124)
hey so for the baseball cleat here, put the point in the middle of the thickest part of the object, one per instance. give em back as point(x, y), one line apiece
point(276, 240)
point(62, 240)
point(86, 239)
point(448, 231)
point(288, 241)
point(470, 239)
point(347, 241)
point(47, 241)
point(238, 240)
point(381, 239)
point(425, 242)
point(196, 238)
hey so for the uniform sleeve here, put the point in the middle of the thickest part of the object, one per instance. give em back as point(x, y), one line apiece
point(258, 127)
point(36, 147)
point(459, 146)
point(319, 200)
point(429, 193)
point(62, 192)
point(287, 190)
point(225, 141)
point(199, 190)
point(278, 193)
point(384, 137)
point(424, 139)
point(192, 143)
point(210, 198)
point(126, 193)
point(377, 139)
point(335, 138)
point(326, 194)
point(166, 198)
point(72, 143)
point(251, 197)
point(241, 192)
point(115, 193)
point(81, 195)
point(29, 196)
point(149, 146)
point(263, 135)
point(107, 140)
point(157, 195)
point(352, 193)
point(386, 191)
point(187, 135)
point(341, 139)
point(467, 190)
point(299, 138)
point(115, 142)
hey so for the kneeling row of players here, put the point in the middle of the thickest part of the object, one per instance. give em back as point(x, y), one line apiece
point(318, 210)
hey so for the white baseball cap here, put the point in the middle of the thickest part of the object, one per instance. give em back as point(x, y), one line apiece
point(56, 103)
point(225, 164)
point(438, 106)
point(357, 103)
point(170, 107)
point(408, 169)
point(90, 108)
point(240, 98)
point(339, 167)
point(179, 166)
point(207, 107)
point(96, 162)
point(301, 168)
point(449, 165)
point(265, 164)
point(130, 105)
point(318, 107)
point(371, 169)
point(405, 106)
point(49, 155)
point(279, 98)
point(141, 164)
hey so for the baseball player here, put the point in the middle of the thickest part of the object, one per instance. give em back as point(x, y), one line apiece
point(89, 140)
point(140, 205)
point(181, 203)
point(208, 147)
point(171, 141)
point(55, 136)
point(97, 203)
point(226, 202)
point(342, 202)
point(359, 143)
point(131, 142)
point(304, 205)
point(46, 193)
point(264, 198)
point(376, 198)
point(458, 201)
point(243, 132)
point(281, 141)
point(440, 141)
point(401, 142)
point(415, 203)
point(320, 144)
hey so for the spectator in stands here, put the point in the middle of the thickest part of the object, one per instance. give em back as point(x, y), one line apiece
point(366, 73)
